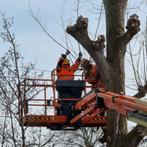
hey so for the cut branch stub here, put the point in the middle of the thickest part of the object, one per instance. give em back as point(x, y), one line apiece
point(80, 26)
point(99, 44)
point(80, 32)
point(133, 24)
point(82, 23)
point(133, 27)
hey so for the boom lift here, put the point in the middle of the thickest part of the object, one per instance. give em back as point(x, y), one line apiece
point(82, 108)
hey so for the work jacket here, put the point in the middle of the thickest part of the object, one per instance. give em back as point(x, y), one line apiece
point(67, 73)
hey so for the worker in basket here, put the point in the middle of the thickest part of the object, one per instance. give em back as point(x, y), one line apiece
point(64, 70)
point(68, 88)
point(92, 76)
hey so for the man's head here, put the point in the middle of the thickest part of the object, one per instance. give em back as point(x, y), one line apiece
point(65, 63)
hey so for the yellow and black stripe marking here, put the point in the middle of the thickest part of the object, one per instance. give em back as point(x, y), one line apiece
point(99, 119)
point(39, 118)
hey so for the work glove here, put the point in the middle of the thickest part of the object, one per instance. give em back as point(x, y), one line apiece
point(67, 52)
point(63, 56)
point(80, 55)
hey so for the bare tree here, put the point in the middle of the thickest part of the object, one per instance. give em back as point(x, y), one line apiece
point(84, 137)
point(12, 72)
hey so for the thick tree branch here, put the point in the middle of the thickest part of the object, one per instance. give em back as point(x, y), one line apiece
point(142, 90)
point(94, 48)
point(135, 136)
point(133, 27)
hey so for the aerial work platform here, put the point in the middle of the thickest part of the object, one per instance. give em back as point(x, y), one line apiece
point(46, 106)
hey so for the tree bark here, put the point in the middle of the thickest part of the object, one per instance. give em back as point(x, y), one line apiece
point(115, 10)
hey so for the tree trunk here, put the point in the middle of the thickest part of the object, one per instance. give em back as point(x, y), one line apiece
point(115, 9)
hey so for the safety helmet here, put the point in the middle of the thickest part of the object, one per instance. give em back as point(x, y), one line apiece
point(66, 62)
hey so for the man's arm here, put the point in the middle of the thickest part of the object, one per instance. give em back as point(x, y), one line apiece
point(61, 59)
point(75, 66)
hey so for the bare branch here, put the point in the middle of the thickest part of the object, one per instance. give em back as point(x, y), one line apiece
point(45, 30)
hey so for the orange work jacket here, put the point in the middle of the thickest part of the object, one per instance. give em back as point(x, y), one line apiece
point(67, 73)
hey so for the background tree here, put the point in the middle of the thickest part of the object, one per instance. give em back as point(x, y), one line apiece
point(12, 72)
point(84, 137)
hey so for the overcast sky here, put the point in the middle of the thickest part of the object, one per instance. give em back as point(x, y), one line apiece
point(34, 44)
